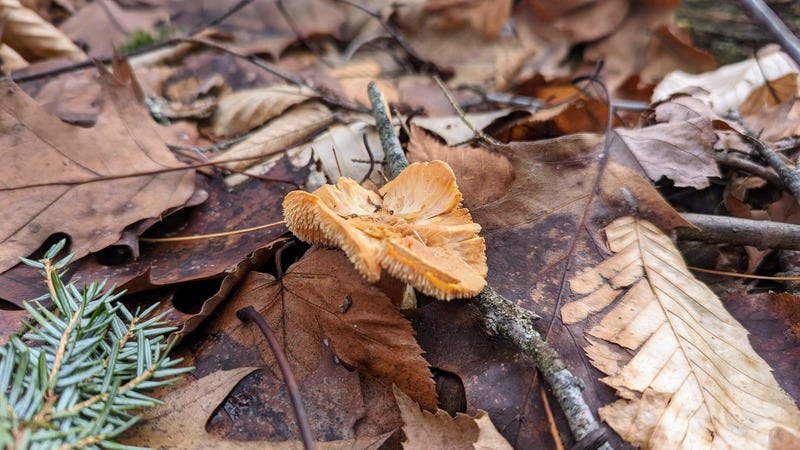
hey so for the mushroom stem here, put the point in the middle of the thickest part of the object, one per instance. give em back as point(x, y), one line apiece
point(395, 158)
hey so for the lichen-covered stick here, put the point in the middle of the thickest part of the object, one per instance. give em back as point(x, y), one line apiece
point(504, 317)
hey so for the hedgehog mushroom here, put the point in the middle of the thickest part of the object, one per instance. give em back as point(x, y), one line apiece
point(413, 227)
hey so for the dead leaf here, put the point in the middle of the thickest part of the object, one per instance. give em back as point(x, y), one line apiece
point(730, 85)
point(679, 146)
point(369, 335)
point(61, 178)
point(453, 129)
point(469, 164)
point(32, 37)
point(440, 431)
point(688, 362)
point(180, 421)
point(243, 110)
point(282, 132)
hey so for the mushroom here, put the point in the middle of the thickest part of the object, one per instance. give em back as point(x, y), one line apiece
point(414, 227)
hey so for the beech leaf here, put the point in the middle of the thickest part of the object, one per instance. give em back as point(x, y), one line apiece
point(62, 178)
point(685, 370)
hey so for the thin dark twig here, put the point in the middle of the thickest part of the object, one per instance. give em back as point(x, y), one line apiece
point(460, 112)
point(258, 62)
point(418, 62)
point(279, 258)
point(790, 178)
point(763, 14)
point(139, 51)
point(371, 159)
point(744, 165)
point(249, 314)
point(134, 174)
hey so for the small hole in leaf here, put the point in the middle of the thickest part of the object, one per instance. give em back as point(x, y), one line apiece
point(451, 392)
point(189, 297)
point(114, 255)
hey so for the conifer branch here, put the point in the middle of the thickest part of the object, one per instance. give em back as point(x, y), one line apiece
point(73, 379)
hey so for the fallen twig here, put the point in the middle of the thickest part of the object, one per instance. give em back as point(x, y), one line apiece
point(789, 177)
point(395, 158)
point(249, 314)
point(744, 165)
point(763, 14)
point(732, 230)
point(139, 51)
point(460, 112)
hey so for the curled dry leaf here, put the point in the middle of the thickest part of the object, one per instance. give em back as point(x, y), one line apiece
point(33, 37)
point(730, 85)
point(243, 110)
point(679, 146)
point(414, 227)
point(685, 370)
point(428, 431)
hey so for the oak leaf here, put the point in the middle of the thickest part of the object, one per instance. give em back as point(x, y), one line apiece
point(685, 370)
point(82, 182)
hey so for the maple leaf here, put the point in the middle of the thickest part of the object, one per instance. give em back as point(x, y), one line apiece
point(682, 364)
point(60, 178)
point(322, 299)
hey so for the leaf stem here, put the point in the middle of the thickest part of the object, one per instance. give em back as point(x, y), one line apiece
point(249, 314)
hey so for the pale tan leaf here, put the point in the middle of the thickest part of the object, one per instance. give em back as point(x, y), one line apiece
point(682, 364)
point(32, 37)
point(180, 422)
point(351, 158)
point(284, 131)
point(453, 129)
point(488, 436)
point(244, 110)
point(11, 60)
point(440, 431)
point(730, 85)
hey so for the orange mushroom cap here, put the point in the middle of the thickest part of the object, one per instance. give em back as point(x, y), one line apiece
point(413, 227)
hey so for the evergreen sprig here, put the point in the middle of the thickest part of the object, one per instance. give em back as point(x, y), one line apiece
point(73, 379)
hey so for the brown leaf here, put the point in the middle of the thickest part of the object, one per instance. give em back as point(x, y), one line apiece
point(32, 37)
point(310, 302)
point(246, 109)
point(284, 131)
point(678, 359)
point(679, 146)
point(469, 164)
point(61, 178)
point(440, 431)
point(180, 421)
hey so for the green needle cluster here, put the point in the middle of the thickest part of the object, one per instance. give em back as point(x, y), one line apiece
point(76, 376)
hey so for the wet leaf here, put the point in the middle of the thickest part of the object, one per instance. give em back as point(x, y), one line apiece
point(60, 178)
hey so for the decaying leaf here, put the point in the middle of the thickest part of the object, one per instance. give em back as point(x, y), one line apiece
point(679, 145)
point(246, 109)
point(290, 128)
point(33, 37)
point(682, 364)
point(60, 178)
point(181, 421)
point(322, 300)
point(730, 85)
point(413, 227)
point(440, 431)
